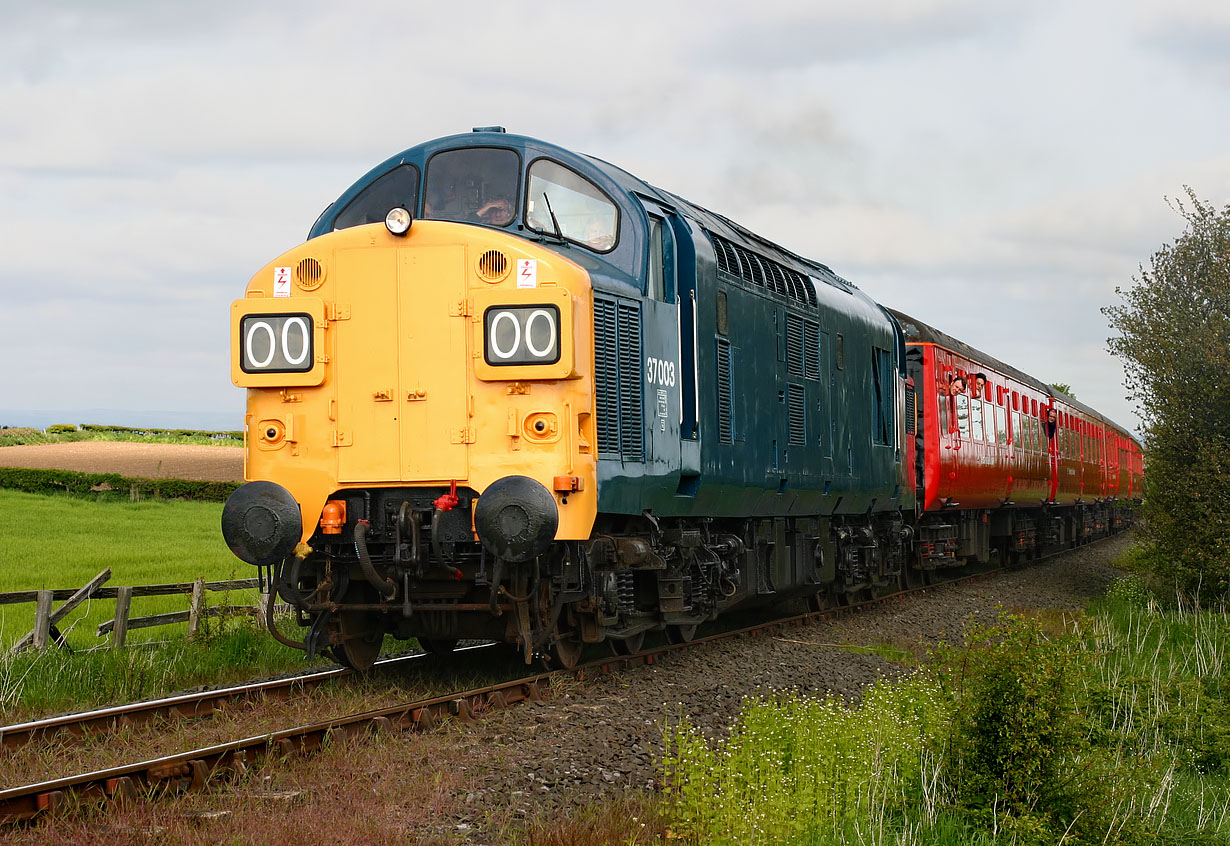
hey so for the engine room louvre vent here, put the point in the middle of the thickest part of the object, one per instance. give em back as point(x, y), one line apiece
point(493, 266)
point(617, 377)
point(309, 274)
point(760, 271)
point(794, 345)
point(796, 401)
point(811, 349)
point(726, 431)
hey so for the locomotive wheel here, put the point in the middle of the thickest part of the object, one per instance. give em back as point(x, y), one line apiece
point(628, 645)
point(437, 646)
point(566, 646)
point(360, 646)
point(821, 600)
point(681, 634)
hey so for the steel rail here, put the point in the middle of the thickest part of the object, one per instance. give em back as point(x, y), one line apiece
point(184, 706)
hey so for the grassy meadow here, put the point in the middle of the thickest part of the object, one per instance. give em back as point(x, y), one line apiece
point(61, 542)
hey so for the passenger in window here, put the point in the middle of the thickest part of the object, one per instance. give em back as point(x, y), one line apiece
point(1052, 420)
point(956, 385)
point(980, 385)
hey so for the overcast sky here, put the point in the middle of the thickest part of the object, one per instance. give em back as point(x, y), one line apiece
point(995, 169)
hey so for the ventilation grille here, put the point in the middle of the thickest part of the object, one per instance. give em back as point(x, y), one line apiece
point(726, 431)
point(910, 411)
point(493, 266)
point(617, 359)
point(796, 408)
point(755, 269)
point(794, 345)
point(309, 274)
point(811, 349)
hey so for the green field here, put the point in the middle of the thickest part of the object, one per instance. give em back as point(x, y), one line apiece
point(61, 542)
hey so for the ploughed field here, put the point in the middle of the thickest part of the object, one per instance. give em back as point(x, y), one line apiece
point(145, 461)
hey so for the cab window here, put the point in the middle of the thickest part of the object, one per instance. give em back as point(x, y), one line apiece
point(559, 201)
point(398, 187)
point(472, 185)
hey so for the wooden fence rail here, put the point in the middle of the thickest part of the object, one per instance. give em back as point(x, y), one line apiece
point(46, 619)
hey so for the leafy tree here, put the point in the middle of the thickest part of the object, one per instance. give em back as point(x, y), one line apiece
point(1174, 340)
point(1067, 389)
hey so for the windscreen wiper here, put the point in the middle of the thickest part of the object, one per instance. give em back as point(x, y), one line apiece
point(554, 220)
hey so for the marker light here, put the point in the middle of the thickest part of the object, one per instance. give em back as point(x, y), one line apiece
point(398, 221)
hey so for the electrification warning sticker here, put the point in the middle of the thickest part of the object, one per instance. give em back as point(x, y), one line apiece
point(281, 281)
point(527, 273)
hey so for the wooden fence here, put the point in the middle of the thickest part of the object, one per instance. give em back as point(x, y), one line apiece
point(46, 617)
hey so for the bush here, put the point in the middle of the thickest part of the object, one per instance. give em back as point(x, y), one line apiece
point(1014, 725)
point(61, 428)
point(68, 481)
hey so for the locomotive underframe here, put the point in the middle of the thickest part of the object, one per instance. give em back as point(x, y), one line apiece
point(402, 565)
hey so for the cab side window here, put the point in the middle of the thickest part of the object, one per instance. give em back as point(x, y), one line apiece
point(559, 201)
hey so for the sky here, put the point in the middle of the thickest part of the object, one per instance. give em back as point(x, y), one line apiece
point(995, 169)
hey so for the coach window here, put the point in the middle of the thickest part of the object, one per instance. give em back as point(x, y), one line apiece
point(473, 185)
point(963, 414)
point(1001, 426)
point(975, 418)
point(559, 201)
point(398, 187)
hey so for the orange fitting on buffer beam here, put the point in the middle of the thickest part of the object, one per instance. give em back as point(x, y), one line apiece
point(567, 484)
point(333, 517)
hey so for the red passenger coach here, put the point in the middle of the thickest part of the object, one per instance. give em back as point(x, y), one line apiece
point(1006, 463)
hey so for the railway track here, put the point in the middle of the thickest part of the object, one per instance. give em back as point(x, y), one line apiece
point(196, 768)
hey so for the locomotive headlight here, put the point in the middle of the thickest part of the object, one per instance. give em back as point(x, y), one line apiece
point(398, 220)
point(276, 343)
point(518, 335)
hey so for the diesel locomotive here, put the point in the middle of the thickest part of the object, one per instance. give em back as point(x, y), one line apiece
point(507, 391)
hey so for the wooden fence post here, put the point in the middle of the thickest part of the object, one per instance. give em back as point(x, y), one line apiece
point(49, 619)
point(42, 619)
point(194, 610)
point(123, 601)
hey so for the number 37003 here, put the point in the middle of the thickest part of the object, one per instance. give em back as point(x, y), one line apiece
point(660, 372)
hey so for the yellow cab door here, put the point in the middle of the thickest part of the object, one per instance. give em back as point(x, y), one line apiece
point(401, 362)
point(366, 434)
point(433, 358)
